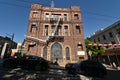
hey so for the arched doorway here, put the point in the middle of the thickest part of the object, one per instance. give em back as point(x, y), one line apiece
point(56, 52)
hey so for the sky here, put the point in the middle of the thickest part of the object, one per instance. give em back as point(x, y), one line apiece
point(96, 15)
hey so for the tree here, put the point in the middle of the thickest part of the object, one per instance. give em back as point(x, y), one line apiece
point(94, 51)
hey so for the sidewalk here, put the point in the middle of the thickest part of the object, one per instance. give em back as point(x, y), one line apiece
point(109, 67)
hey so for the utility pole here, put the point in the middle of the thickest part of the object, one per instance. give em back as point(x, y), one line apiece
point(12, 36)
point(11, 43)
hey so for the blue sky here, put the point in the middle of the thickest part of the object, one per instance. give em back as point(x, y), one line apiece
point(96, 14)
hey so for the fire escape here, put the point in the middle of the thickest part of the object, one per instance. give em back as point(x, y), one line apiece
point(55, 36)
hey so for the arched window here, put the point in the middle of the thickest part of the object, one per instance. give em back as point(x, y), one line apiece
point(45, 52)
point(56, 52)
point(67, 53)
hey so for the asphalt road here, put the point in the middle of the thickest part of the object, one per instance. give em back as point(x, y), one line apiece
point(19, 74)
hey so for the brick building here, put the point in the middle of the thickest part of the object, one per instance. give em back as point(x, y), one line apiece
point(55, 33)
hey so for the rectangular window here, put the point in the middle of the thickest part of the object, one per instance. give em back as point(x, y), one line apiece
point(65, 17)
point(77, 29)
point(110, 34)
point(98, 39)
point(104, 38)
point(35, 14)
point(76, 17)
point(59, 30)
point(46, 30)
point(47, 17)
point(66, 30)
point(53, 27)
point(118, 31)
point(56, 16)
point(33, 28)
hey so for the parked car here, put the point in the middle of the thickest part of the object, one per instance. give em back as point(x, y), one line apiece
point(27, 62)
point(70, 69)
point(10, 62)
point(87, 68)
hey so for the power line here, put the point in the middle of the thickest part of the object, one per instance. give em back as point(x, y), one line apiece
point(31, 2)
point(24, 1)
point(103, 15)
point(100, 19)
point(11, 4)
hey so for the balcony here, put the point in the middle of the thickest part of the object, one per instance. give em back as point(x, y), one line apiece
point(56, 38)
point(55, 20)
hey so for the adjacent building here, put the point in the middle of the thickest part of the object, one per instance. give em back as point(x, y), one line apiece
point(109, 35)
point(109, 38)
point(55, 34)
point(10, 45)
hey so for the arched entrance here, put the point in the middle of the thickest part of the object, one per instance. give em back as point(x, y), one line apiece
point(56, 52)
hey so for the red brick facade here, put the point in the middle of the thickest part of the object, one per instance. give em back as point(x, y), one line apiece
point(69, 36)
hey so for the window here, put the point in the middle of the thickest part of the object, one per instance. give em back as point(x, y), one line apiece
point(67, 53)
point(80, 45)
point(76, 17)
point(118, 31)
point(104, 38)
point(65, 17)
point(56, 16)
point(46, 30)
point(47, 16)
point(45, 52)
point(35, 14)
point(113, 42)
point(30, 47)
point(98, 39)
point(56, 52)
point(33, 28)
point(53, 27)
point(77, 29)
point(59, 31)
point(66, 30)
point(94, 40)
point(110, 34)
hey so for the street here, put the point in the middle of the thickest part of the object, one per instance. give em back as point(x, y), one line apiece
point(19, 74)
